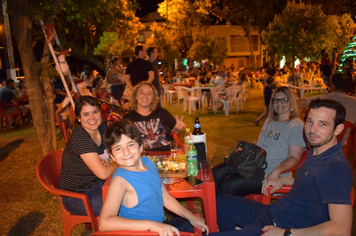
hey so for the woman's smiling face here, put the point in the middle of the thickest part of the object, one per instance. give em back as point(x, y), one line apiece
point(90, 117)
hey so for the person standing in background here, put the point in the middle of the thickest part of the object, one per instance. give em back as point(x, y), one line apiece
point(152, 57)
point(139, 69)
point(115, 77)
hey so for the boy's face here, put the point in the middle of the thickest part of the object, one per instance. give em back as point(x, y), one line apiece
point(127, 152)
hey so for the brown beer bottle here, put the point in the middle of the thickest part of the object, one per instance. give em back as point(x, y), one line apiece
point(197, 128)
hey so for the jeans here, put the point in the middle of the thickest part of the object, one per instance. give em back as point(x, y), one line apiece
point(326, 80)
point(235, 211)
point(235, 184)
point(159, 91)
point(117, 90)
point(181, 224)
point(76, 206)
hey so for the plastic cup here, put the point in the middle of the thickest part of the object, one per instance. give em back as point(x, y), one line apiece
point(205, 169)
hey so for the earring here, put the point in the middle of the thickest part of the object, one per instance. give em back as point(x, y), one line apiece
point(291, 109)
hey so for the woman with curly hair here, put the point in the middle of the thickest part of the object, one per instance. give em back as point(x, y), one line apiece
point(155, 123)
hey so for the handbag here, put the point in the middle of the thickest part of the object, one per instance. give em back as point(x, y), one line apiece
point(247, 159)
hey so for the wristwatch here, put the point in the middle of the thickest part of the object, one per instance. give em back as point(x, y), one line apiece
point(287, 232)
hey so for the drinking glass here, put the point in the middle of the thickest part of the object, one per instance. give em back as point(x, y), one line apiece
point(205, 169)
point(174, 147)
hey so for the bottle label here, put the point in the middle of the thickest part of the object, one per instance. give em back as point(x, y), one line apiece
point(191, 157)
point(197, 125)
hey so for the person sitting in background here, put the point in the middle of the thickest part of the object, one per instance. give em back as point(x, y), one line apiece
point(204, 81)
point(21, 92)
point(282, 139)
point(298, 77)
point(136, 195)
point(85, 162)
point(338, 88)
point(87, 76)
point(98, 90)
point(8, 96)
point(154, 123)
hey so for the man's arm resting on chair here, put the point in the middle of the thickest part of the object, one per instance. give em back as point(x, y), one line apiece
point(340, 224)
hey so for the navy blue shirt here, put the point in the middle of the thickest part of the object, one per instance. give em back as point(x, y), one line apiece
point(321, 180)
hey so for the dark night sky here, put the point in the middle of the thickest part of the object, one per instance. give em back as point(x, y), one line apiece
point(147, 6)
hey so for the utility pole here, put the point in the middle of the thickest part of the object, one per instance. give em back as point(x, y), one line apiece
point(10, 70)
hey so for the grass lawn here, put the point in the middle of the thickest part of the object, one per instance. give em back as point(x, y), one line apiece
point(27, 209)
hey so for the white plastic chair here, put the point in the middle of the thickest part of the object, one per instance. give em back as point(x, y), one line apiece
point(192, 96)
point(230, 97)
point(167, 92)
point(180, 96)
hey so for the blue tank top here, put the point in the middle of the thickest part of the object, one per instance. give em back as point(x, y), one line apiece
point(148, 187)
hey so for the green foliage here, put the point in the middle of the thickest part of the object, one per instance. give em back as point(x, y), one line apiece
point(109, 45)
point(165, 41)
point(340, 31)
point(300, 31)
point(209, 47)
point(82, 23)
point(181, 16)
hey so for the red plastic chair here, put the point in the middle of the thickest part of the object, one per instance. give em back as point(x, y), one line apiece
point(286, 188)
point(48, 171)
point(259, 197)
point(8, 116)
point(350, 142)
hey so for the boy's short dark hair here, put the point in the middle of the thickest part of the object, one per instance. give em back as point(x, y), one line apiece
point(331, 104)
point(115, 131)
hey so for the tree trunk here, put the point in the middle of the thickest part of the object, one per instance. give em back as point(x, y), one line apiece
point(22, 28)
point(253, 63)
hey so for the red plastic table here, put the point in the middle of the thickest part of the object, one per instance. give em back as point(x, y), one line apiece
point(179, 188)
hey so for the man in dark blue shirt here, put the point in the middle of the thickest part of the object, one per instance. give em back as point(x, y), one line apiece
point(319, 201)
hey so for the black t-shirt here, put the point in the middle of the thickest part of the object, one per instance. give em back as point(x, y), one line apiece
point(138, 70)
point(155, 82)
point(155, 128)
point(75, 174)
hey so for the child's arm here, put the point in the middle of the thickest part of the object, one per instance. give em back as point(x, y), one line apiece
point(174, 206)
point(110, 221)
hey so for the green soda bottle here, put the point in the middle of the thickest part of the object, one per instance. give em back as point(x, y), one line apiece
point(192, 161)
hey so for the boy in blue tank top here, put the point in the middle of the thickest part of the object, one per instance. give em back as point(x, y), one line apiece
point(136, 197)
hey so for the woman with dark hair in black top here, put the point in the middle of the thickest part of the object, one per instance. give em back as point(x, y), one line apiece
point(85, 162)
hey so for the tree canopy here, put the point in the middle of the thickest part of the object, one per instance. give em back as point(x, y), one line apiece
point(81, 23)
point(302, 30)
point(209, 47)
point(166, 42)
point(181, 16)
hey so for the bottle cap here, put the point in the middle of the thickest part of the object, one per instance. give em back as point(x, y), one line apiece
point(187, 129)
point(191, 141)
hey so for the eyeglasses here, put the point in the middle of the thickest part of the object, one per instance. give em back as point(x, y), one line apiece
point(282, 100)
